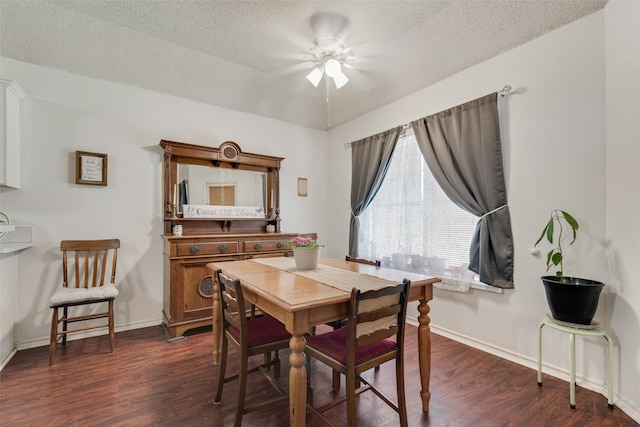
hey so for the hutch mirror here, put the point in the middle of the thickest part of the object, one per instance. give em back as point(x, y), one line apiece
point(210, 190)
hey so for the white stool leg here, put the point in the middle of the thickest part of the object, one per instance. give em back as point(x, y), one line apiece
point(610, 360)
point(572, 368)
point(540, 354)
point(595, 331)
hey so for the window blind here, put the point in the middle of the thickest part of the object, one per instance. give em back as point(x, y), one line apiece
point(411, 224)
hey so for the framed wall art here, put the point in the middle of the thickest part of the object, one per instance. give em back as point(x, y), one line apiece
point(302, 187)
point(91, 168)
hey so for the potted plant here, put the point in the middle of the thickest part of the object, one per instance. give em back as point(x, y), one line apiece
point(306, 252)
point(571, 299)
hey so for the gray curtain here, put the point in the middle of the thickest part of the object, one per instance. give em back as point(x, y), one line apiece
point(462, 149)
point(370, 159)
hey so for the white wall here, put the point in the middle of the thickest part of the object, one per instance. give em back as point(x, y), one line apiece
point(559, 136)
point(64, 113)
point(622, 45)
point(554, 158)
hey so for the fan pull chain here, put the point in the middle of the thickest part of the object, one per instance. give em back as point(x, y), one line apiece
point(328, 106)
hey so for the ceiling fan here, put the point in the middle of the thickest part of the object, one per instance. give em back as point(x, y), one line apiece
point(330, 55)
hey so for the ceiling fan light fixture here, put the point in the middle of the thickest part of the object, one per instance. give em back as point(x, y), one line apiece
point(329, 52)
point(315, 76)
point(340, 79)
point(332, 67)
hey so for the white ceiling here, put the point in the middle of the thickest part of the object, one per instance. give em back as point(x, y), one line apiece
point(253, 56)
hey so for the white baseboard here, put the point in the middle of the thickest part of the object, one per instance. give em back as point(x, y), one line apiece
point(44, 341)
point(627, 407)
point(7, 359)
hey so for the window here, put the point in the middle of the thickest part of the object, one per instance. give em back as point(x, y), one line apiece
point(412, 225)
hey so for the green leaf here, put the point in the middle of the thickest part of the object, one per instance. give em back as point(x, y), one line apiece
point(549, 255)
point(571, 220)
point(542, 234)
point(550, 231)
point(556, 258)
point(573, 223)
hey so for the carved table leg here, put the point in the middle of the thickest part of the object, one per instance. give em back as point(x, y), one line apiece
point(424, 351)
point(297, 381)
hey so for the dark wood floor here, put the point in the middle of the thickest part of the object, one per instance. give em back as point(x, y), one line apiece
point(149, 382)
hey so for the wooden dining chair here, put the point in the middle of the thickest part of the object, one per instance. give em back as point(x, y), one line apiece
point(374, 335)
point(251, 336)
point(362, 261)
point(84, 281)
point(340, 323)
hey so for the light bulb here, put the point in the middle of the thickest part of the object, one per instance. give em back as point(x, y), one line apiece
point(332, 68)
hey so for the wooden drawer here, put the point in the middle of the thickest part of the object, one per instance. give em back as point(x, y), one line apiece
point(251, 246)
point(199, 249)
point(187, 279)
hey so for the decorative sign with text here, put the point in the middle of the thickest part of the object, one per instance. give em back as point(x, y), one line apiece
point(91, 168)
point(210, 211)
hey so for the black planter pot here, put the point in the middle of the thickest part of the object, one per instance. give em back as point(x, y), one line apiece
point(572, 299)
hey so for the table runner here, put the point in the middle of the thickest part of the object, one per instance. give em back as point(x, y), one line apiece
point(337, 278)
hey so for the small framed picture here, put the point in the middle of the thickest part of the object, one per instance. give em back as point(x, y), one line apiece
point(91, 168)
point(302, 187)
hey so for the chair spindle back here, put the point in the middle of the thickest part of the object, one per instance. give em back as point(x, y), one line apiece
point(90, 261)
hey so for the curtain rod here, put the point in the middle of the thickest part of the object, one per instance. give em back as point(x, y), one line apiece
point(506, 90)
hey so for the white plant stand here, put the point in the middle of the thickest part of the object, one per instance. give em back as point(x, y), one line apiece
point(593, 330)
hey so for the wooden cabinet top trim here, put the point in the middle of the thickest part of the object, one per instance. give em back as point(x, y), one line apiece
point(213, 154)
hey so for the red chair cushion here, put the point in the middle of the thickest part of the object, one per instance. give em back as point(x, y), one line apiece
point(263, 330)
point(334, 344)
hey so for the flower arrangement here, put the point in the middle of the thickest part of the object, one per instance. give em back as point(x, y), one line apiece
point(306, 252)
point(304, 242)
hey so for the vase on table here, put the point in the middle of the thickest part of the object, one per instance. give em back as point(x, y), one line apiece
point(307, 258)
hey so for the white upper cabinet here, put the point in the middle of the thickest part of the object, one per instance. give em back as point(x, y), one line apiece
point(10, 96)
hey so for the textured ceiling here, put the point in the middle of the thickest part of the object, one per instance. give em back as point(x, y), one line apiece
point(253, 56)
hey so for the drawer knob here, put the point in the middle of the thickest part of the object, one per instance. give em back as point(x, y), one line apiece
point(257, 246)
point(280, 245)
point(194, 249)
point(223, 248)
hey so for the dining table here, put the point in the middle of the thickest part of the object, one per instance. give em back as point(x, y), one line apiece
point(302, 299)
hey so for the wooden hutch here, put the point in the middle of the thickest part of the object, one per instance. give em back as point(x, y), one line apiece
point(199, 175)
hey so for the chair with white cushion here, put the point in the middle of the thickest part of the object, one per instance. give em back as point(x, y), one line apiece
point(85, 264)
